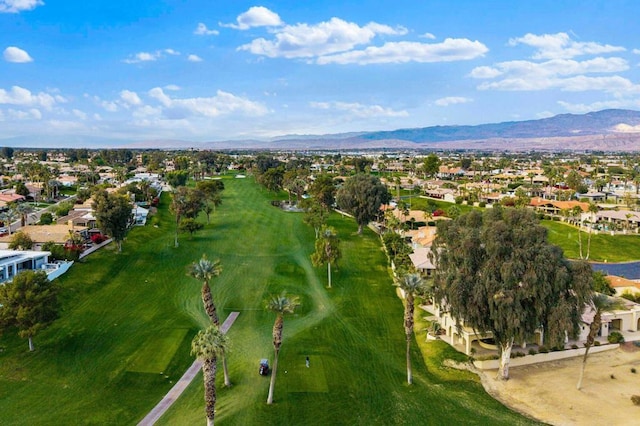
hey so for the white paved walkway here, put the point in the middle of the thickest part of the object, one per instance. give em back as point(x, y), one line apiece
point(177, 389)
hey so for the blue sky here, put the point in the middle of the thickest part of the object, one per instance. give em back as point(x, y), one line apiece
point(81, 72)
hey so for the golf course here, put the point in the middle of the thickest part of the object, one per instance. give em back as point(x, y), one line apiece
point(127, 321)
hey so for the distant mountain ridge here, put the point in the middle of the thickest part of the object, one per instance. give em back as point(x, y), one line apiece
point(607, 130)
point(563, 125)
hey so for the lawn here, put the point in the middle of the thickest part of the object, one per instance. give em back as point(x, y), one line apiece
point(128, 319)
point(604, 247)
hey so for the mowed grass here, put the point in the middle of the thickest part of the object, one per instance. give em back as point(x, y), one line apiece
point(604, 246)
point(352, 333)
point(128, 319)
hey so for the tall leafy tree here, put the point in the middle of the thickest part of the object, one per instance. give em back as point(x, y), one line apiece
point(186, 203)
point(431, 165)
point(497, 273)
point(211, 190)
point(412, 286)
point(327, 250)
point(316, 215)
point(323, 189)
point(362, 195)
point(207, 345)
point(177, 178)
point(29, 302)
point(113, 213)
point(281, 305)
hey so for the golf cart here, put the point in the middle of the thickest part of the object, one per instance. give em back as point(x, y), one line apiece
point(264, 367)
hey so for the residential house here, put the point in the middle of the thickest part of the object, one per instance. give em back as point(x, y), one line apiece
point(12, 262)
point(622, 285)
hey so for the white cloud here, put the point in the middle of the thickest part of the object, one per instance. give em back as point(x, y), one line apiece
point(30, 114)
point(222, 104)
point(106, 105)
point(612, 84)
point(16, 6)
point(404, 51)
point(600, 105)
point(149, 56)
point(80, 114)
point(305, 41)
point(15, 54)
point(565, 74)
point(130, 98)
point(142, 57)
point(560, 45)
point(21, 96)
point(202, 29)
point(636, 51)
point(194, 58)
point(359, 110)
point(428, 36)
point(485, 72)
point(172, 87)
point(147, 111)
point(452, 100)
point(256, 16)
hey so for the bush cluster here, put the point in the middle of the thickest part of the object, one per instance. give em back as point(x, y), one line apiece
point(615, 337)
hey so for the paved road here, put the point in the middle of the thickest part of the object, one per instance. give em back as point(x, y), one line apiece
point(177, 389)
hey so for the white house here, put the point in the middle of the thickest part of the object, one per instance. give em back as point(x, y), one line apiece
point(13, 262)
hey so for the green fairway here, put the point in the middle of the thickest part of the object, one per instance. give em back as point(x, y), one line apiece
point(604, 246)
point(124, 335)
point(155, 356)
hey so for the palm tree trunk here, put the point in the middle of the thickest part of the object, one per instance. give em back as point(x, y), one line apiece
point(31, 347)
point(272, 383)
point(588, 244)
point(580, 240)
point(408, 329)
point(582, 367)
point(225, 370)
point(209, 306)
point(209, 369)
point(329, 272)
point(409, 371)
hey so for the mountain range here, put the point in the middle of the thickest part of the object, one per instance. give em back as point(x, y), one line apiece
point(607, 130)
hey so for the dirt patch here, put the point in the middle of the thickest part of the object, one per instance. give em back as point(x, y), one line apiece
point(547, 391)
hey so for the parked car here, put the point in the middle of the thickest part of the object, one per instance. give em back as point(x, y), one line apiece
point(4, 231)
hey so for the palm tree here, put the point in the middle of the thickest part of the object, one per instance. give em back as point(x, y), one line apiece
point(280, 305)
point(599, 304)
point(24, 210)
point(207, 346)
point(327, 250)
point(593, 209)
point(204, 270)
point(412, 285)
point(8, 216)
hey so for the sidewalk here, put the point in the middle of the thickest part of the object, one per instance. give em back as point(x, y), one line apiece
point(177, 389)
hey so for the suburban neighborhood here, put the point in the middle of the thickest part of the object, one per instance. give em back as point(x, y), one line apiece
point(586, 203)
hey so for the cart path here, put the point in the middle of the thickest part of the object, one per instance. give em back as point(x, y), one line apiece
point(177, 389)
